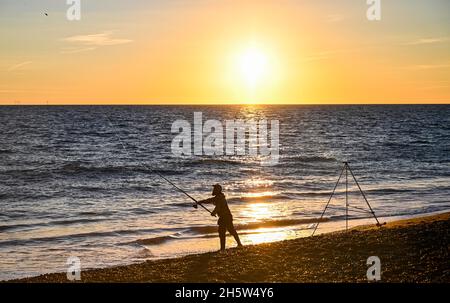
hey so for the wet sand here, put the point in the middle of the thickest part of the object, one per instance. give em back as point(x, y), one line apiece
point(413, 250)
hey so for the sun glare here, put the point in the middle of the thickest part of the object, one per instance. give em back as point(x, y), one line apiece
point(253, 66)
point(253, 73)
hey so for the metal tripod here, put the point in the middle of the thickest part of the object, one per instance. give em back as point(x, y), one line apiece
point(346, 168)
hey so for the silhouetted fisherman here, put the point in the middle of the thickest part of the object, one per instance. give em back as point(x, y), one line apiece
point(225, 221)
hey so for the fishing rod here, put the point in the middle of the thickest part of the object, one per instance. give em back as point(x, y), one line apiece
point(158, 173)
point(171, 183)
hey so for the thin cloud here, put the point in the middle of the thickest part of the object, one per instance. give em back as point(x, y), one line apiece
point(19, 66)
point(422, 41)
point(102, 39)
point(428, 66)
point(74, 50)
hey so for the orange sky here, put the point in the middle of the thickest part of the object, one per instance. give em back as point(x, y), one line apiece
point(167, 52)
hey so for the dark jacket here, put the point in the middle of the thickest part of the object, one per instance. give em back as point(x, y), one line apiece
point(221, 207)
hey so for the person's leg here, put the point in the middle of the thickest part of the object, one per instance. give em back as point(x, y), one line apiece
point(222, 234)
point(233, 232)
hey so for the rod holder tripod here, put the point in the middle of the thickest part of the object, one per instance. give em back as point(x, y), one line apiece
point(346, 169)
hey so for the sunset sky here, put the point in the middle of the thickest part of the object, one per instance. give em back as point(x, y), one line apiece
point(216, 51)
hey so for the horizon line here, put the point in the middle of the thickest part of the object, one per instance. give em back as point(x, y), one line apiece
point(211, 104)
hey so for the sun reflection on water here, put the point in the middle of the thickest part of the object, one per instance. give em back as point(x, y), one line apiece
point(264, 235)
point(256, 212)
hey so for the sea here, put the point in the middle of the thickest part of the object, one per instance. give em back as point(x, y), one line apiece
point(84, 181)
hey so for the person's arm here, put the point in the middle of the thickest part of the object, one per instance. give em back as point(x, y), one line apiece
point(206, 201)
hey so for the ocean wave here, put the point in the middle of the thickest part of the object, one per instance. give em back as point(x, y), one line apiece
point(309, 159)
point(256, 225)
point(31, 174)
point(55, 239)
point(210, 231)
point(140, 211)
point(95, 213)
point(154, 240)
point(76, 221)
point(50, 223)
point(396, 144)
point(262, 198)
point(220, 161)
point(164, 239)
point(318, 193)
point(416, 211)
point(77, 167)
point(98, 189)
point(388, 191)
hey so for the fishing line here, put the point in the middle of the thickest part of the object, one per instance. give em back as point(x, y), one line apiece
point(154, 171)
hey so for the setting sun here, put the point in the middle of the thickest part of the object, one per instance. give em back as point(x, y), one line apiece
point(254, 72)
point(253, 65)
